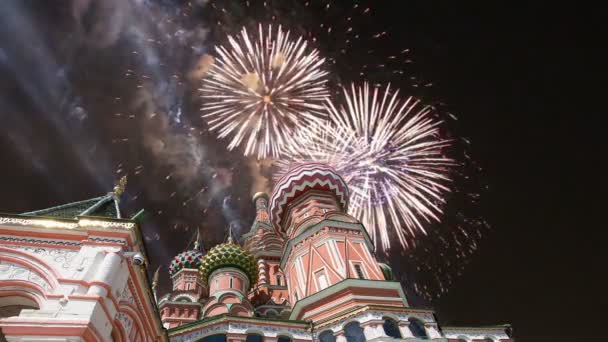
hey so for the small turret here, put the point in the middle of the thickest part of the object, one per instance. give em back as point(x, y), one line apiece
point(182, 304)
point(270, 294)
point(229, 271)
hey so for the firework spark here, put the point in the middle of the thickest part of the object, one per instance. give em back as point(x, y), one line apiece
point(390, 152)
point(261, 87)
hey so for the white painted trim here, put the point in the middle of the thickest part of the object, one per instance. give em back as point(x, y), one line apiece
point(336, 251)
point(355, 283)
point(346, 299)
point(300, 274)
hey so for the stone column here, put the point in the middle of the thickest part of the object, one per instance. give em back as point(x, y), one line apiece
point(404, 328)
point(432, 331)
point(340, 337)
point(105, 273)
point(262, 271)
point(374, 330)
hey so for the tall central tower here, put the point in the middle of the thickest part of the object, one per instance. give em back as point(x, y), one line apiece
point(328, 258)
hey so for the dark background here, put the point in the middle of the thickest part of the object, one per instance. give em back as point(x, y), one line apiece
point(524, 80)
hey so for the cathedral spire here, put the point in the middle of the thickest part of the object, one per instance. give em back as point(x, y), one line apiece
point(198, 243)
point(155, 284)
point(119, 188)
point(230, 240)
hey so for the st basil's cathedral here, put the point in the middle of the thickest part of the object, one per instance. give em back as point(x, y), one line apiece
point(305, 271)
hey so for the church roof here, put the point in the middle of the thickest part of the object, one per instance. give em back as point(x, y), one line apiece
point(187, 259)
point(298, 181)
point(103, 206)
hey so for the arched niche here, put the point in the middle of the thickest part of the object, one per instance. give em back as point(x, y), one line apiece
point(214, 338)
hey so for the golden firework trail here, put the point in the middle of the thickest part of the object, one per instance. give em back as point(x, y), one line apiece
point(261, 87)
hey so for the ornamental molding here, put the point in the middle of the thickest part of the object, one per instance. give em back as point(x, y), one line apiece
point(66, 224)
point(38, 222)
point(136, 299)
point(126, 296)
point(60, 259)
point(264, 328)
point(126, 322)
point(184, 295)
point(476, 333)
point(31, 240)
point(105, 239)
point(11, 271)
point(198, 334)
point(105, 224)
point(377, 316)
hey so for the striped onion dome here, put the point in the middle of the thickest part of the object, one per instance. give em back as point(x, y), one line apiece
point(187, 259)
point(301, 179)
point(229, 255)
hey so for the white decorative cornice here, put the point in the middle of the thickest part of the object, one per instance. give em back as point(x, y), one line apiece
point(63, 223)
point(46, 223)
point(105, 224)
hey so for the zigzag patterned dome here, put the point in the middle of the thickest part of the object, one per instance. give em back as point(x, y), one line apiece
point(187, 259)
point(229, 255)
point(303, 178)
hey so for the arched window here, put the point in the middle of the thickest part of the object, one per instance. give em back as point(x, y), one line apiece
point(462, 339)
point(417, 328)
point(254, 338)
point(12, 305)
point(279, 280)
point(284, 339)
point(359, 271)
point(353, 332)
point(488, 339)
point(214, 338)
point(230, 282)
point(391, 328)
point(327, 336)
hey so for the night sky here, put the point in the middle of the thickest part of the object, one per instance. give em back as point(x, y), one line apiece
point(90, 91)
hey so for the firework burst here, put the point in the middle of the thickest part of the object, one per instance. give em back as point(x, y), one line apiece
point(261, 87)
point(390, 152)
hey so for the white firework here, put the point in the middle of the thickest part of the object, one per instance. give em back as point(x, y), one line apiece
point(261, 87)
point(391, 154)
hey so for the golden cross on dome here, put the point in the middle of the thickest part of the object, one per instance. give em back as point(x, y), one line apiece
point(119, 188)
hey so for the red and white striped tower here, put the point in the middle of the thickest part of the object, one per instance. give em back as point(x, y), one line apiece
point(270, 294)
point(328, 258)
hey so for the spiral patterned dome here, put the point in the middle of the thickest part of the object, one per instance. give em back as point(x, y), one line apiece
point(300, 179)
point(187, 259)
point(229, 255)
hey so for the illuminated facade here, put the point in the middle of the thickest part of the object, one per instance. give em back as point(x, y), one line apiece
point(75, 272)
point(305, 271)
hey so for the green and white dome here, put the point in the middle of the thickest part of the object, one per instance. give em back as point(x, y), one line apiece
point(229, 255)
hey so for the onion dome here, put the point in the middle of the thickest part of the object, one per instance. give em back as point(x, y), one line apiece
point(187, 259)
point(301, 179)
point(229, 255)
